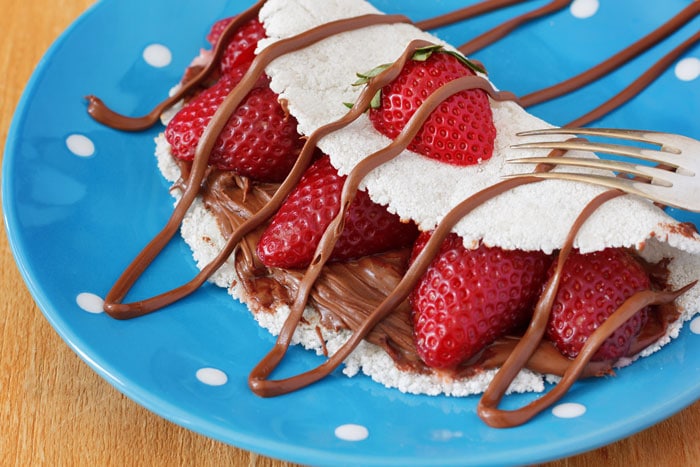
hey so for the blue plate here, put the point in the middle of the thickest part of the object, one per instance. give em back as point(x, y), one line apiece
point(78, 208)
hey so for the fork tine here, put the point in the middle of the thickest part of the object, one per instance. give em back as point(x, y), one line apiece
point(644, 190)
point(657, 176)
point(644, 136)
point(674, 183)
point(608, 148)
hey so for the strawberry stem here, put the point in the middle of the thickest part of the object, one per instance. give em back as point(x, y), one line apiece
point(421, 54)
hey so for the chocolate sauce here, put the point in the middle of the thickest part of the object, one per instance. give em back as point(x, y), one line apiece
point(367, 296)
point(113, 305)
point(100, 112)
point(637, 86)
point(465, 13)
point(488, 404)
point(606, 67)
point(504, 29)
point(588, 76)
point(258, 379)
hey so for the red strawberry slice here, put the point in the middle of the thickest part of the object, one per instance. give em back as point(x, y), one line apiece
point(217, 29)
point(241, 47)
point(459, 132)
point(296, 229)
point(259, 141)
point(469, 298)
point(592, 287)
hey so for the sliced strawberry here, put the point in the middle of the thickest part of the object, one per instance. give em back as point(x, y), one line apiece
point(592, 287)
point(460, 131)
point(469, 298)
point(217, 29)
point(259, 141)
point(240, 50)
point(296, 229)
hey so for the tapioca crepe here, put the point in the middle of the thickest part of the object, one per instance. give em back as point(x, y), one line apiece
point(316, 82)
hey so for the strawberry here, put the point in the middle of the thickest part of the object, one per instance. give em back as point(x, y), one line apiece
point(296, 229)
point(468, 298)
point(259, 141)
point(217, 29)
point(460, 131)
point(241, 47)
point(592, 287)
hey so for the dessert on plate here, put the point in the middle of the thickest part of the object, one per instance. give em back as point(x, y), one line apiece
point(341, 172)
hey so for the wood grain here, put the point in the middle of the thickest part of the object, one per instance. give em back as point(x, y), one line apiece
point(55, 410)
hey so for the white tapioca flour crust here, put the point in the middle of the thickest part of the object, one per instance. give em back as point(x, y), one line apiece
point(317, 81)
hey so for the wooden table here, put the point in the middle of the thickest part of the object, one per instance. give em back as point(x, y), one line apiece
point(56, 410)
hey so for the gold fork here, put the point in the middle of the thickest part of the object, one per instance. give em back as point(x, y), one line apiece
point(674, 182)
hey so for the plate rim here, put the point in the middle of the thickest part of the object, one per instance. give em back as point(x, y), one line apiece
point(172, 412)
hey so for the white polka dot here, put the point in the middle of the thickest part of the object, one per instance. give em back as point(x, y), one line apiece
point(351, 432)
point(90, 302)
point(446, 435)
point(687, 69)
point(212, 376)
point(695, 325)
point(80, 145)
point(157, 55)
point(584, 8)
point(569, 410)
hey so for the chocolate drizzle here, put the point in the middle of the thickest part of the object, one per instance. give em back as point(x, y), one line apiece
point(588, 76)
point(103, 114)
point(465, 13)
point(113, 305)
point(488, 404)
point(243, 208)
point(258, 379)
point(637, 85)
point(503, 29)
point(616, 60)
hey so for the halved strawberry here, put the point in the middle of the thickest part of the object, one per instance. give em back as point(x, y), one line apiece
point(460, 131)
point(237, 56)
point(469, 298)
point(240, 50)
point(592, 287)
point(296, 229)
point(259, 141)
point(217, 29)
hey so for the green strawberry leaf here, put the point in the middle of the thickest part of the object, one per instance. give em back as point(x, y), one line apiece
point(424, 53)
point(420, 55)
point(365, 77)
point(468, 63)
